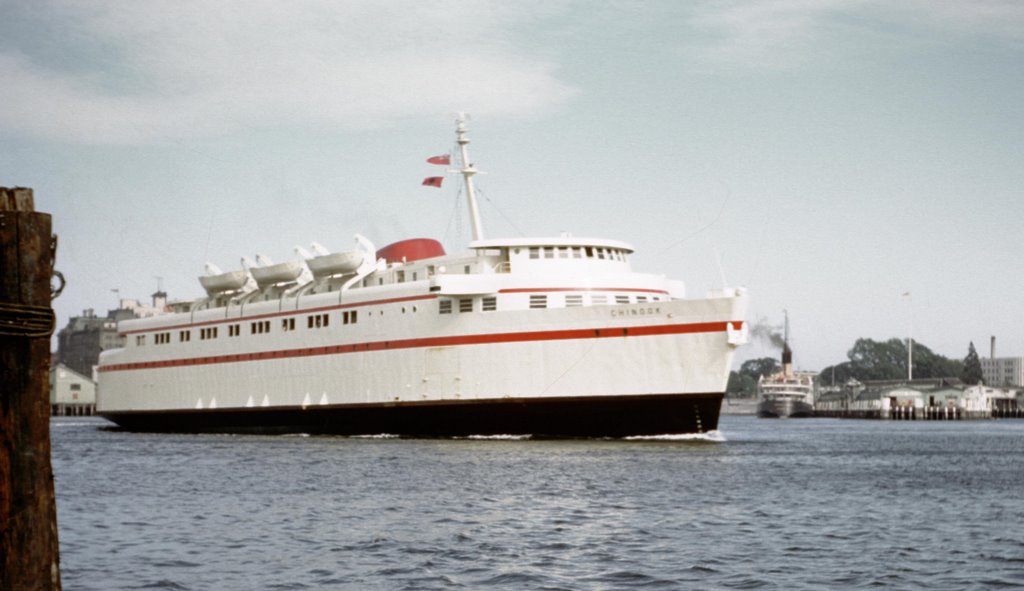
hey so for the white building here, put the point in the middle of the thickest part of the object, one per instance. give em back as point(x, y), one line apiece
point(1003, 371)
point(71, 393)
point(988, 400)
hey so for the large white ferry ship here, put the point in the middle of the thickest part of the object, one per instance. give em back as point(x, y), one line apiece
point(549, 336)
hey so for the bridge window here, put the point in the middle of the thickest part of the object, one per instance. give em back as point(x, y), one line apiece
point(444, 307)
point(490, 304)
point(465, 305)
point(538, 301)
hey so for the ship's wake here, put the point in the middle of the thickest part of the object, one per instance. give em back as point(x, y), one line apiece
point(714, 436)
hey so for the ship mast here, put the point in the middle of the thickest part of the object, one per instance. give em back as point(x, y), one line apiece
point(467, 175)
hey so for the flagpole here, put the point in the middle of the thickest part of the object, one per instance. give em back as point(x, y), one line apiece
point(910, 338)
point(467, 174)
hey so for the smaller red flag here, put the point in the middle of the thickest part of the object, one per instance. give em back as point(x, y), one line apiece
point(445, 159)
point(433, 181)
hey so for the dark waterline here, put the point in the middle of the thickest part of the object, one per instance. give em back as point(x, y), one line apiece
point(797, 504)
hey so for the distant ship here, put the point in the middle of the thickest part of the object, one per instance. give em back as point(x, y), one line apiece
point(788, 393)
point(553, 336)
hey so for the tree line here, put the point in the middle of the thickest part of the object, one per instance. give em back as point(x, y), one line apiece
point(867, 360)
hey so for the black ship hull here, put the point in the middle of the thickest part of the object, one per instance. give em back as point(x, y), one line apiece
point(592, 416)
point(784, 409)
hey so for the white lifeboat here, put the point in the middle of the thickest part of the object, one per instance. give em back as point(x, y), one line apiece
point(272, 274)
point(230, 281)
point(335, 263)
point(216, 281)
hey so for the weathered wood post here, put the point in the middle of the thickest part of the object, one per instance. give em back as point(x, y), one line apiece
point(29, 554)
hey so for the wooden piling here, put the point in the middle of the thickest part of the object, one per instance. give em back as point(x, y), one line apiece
point(29, 553)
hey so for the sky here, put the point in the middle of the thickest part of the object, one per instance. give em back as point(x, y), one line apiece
point(829, 156)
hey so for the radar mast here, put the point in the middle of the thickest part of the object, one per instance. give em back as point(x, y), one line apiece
point(467, 174)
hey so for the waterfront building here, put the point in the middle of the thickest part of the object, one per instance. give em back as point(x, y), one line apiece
point(925, 399)
point(80, 342)
point(71, 393)
point(1003, 371)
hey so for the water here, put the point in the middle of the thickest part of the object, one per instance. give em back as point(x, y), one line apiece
point(797, 504)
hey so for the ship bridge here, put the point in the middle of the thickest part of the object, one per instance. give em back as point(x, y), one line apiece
point(548, 254)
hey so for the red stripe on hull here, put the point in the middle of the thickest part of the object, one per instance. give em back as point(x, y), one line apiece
point(478, 339)
point(560, 289)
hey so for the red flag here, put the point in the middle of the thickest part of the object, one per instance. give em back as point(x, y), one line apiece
point(445, 160)
point(433, 181)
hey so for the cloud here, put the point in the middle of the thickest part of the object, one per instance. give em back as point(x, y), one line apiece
point(785, 34)
point(134, 72)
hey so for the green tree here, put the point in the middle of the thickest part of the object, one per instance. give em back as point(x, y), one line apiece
point(971, 373)
point(743, 383)
point(763, 366)
point(932, 365)
point(887, 360)
point(741, 386)
point(874, 360)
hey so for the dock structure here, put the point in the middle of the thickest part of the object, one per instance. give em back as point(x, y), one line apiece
point(29, 552)
point(934, 399)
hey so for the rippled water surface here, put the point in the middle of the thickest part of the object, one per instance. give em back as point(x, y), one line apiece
point(811, 504)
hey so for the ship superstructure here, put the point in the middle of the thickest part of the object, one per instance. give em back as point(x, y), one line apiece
point(549, 336)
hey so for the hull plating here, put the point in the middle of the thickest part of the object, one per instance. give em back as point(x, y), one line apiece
point(604, 416)
point(782, 409)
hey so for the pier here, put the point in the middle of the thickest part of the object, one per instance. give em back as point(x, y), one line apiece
point(938, 399)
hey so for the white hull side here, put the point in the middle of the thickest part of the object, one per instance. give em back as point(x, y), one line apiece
point(546, 365)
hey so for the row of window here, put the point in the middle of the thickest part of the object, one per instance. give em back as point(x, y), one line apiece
point(577, 252)
point(445, 306)
point(255, 327)
point(403, 275)
point(490, 303)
